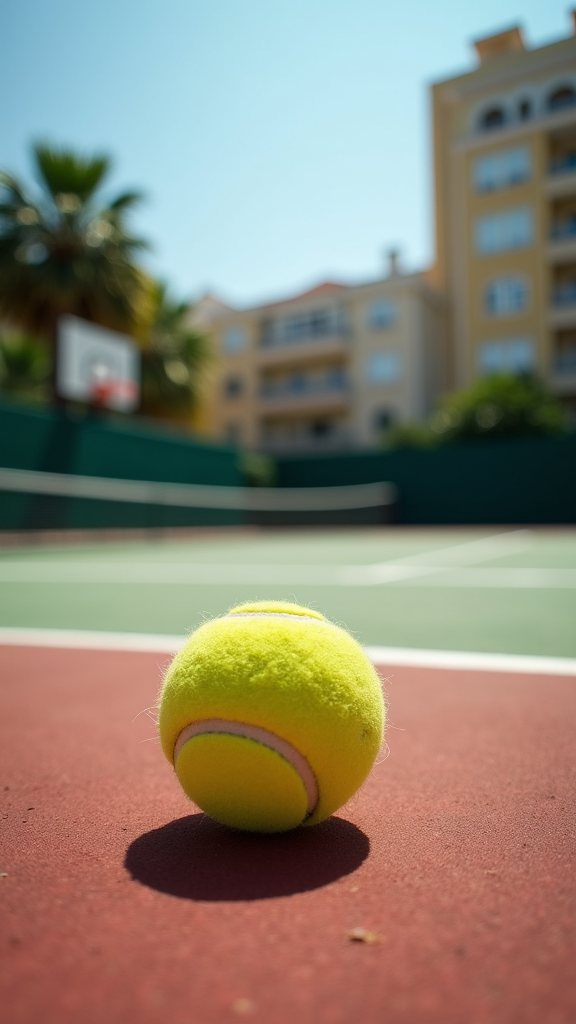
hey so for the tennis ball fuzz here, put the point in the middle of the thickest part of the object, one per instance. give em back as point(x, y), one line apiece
point(272, 717)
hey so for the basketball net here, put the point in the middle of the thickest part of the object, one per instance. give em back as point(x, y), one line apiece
point(109, 393)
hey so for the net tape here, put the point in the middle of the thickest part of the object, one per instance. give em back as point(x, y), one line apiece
point(254, 499)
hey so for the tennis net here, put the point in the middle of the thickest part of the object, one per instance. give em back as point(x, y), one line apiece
point(33, 500)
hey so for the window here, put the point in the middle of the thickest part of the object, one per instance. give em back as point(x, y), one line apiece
point(564, 293)
point(233, 387)
point(383, 367)
point(506, 296)
point(563, 162)
point(492, 118)
point(382, 314)
point(316, 324)
point(524, 110)
point(510, 355)
point(500, 232)
point(500, 170)
point(321, 428)
point(299, 382)
point(565, 96)
point(565, 360)
point(308, 326)
point(383, 420)
point(233, 340)
point(336, 379)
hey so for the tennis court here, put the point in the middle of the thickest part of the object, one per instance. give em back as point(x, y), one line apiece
point(444, 892)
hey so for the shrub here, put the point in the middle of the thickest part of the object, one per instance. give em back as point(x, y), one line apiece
point(25, 366)
point(498, 406)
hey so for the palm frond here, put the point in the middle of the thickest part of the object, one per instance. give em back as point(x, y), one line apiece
point(63, 172)
point(10, 185)
point(126, 200)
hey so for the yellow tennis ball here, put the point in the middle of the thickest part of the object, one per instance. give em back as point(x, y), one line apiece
point(272, 717)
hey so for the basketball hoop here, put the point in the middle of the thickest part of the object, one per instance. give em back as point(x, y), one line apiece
point(97, 366)
point(113, 394)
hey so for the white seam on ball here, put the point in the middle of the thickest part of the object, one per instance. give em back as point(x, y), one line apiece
point(276, 615)
point(226, 727)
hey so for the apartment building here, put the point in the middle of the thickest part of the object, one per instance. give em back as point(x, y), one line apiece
point(505, 198)
point(331, 368)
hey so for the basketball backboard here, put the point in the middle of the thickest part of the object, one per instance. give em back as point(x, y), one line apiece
point(97, 365)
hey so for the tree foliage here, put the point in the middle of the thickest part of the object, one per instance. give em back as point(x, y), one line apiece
point(24, 368)
point(64, 251)
point(498, 406)
point(174, 356)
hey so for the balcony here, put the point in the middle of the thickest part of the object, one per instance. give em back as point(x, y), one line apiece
point(302, 350)
point(563, 164)
point(562, 244)
point(314, 397)
point(563, 308)
point(564, 371)
point(563, 229)
point(561, 180)
point(565, 362)
point(336, 440)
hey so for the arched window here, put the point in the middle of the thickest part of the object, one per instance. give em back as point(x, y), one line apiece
point(492, 118)
point(564, 96)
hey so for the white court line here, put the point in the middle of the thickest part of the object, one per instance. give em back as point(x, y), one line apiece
point(408, 567)
point(474, 661)
point(440, 567)
point(482, 549)
point(203, 574)
point(90, 640)
point(160, 643)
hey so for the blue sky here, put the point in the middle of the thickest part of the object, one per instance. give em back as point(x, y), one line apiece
point(279, 142)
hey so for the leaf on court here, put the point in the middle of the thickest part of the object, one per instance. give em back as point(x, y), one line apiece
point(243, 1007)
point(363, 935)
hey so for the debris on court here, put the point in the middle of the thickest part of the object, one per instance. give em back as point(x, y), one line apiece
point(243, 1006)
point(363, 935)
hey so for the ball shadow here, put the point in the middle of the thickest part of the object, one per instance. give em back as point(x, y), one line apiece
point(197, 859)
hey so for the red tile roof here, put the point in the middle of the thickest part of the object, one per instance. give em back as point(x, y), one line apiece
point(320, 290)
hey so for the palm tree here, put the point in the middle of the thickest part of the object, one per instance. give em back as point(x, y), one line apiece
point(174, 356)
point(62, 251)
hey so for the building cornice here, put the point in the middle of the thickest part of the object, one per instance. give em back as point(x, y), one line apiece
point(488, 77)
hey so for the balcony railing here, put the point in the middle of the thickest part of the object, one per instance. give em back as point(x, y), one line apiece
point(565, 362)
point(562, 230)
point(273, 343)
point(304, 389)
point(334, 440)
point(563, 164)
point(564, 295)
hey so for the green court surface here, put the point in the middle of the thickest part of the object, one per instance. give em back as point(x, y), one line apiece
point(486, 589)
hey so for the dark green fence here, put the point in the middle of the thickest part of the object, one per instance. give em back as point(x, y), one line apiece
point(530, 480)
point(497, 481)
point(95, 446)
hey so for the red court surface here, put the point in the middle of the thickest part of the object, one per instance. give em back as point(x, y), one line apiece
point(121, 903)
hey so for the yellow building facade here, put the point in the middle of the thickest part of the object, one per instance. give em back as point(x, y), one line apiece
point(329, 369)
point(334, 367)
point(505, 203)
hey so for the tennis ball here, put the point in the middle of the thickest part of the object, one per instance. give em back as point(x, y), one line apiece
point(272, 717)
